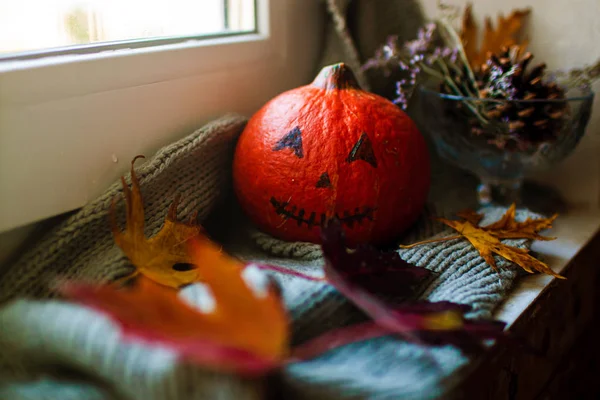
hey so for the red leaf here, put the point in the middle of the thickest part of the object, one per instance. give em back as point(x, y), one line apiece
point(469, 338)
point(291, 272)
point(366, 276)
point(375, 281)
point(339, 337)
point(245, 329)
point(367, 268)
point(463, 339)
point(152, 314)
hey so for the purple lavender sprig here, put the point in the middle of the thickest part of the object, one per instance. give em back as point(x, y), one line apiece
point(414, 58)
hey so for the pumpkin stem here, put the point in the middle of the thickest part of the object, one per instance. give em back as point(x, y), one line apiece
point(336, 76)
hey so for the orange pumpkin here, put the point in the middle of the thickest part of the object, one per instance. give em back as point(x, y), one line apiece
point(330, 149)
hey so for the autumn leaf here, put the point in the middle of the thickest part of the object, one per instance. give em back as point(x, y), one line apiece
point(470, 215)
point(508, 228)
point(487, 239)
point(151, 313)
point(339, 337)
point(241, 327)
point(164, 258)
point(248, 310)
point(487, 244)
point(367, 268)
point(468, 36)
point(382, 285)
point(505, 34)
point(468, 338)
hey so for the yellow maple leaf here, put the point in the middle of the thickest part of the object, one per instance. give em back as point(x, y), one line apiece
point(487, 244)
point(164, 258)
point(508, 228)
point(487, 239)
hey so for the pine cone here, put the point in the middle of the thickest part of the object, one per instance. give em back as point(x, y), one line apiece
point(506, 76)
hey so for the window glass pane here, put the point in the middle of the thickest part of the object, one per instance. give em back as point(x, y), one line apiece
point(41, 24)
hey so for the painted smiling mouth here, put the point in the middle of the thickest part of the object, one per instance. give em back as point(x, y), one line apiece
point(349, 218)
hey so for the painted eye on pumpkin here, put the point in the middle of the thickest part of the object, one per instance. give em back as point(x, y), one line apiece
point(324, 181)
point(292, 140)
point(363, 150)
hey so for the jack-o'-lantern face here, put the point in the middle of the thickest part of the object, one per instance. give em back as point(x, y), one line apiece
point(331, 150)
point(362, 150)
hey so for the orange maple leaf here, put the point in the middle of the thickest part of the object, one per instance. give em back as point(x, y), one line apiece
point(241, 327)
point(164, 258)
point(506, 34)
point(248, 303)
point(487, 239)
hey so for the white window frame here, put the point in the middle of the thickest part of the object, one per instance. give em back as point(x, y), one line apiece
point(70, 124)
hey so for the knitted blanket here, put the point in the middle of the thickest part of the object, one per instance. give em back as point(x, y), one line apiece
point(52, 349)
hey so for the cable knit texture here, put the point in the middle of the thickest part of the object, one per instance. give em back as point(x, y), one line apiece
point(54, 349)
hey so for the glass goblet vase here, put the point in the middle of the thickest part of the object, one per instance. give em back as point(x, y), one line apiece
point(503, 141)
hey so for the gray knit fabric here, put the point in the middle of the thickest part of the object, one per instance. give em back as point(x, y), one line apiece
point(53, 389)
point(51, 346)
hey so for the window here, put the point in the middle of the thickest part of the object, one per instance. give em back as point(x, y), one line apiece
point(67, 24)
point(71, 122)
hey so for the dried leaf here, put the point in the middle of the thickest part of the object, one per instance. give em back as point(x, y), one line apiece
point(339, 337)
point(488, 245)
point(505, 34)
point(469, 338)
point(508, 228)
point(470, 215)
point(164, 258)
point(366, 269)
point(243, 326)
point(248, 304)
point(468, 34)
point(463, 338)
point(291, 272)
point(487, 239)
point(380, 283)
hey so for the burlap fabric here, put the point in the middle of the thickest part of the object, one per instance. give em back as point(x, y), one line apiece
point(53, 349)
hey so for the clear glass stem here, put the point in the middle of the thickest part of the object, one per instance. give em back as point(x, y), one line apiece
point(500, 193)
